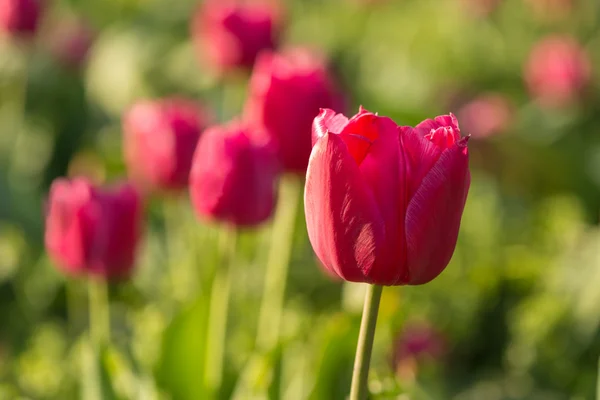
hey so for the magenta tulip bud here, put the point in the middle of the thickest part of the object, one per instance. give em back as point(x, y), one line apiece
point(557, 71)
point(160, 137)
point(233, 176)
point(286, 92)
point(92, 230)
point(383, 203)
point(230, 34)
point(19, 17)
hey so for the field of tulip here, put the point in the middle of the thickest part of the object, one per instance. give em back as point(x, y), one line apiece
point(300, 199)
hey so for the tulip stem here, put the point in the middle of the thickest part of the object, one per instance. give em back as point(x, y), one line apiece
point(99, 309)
point(278, 261)
point(20, 104)
point(598, 382)
point(360, 375)
point(219, 309)
point(75, 314)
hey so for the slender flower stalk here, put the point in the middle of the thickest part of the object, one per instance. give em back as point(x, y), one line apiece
point(99, 312)
point(75, 311)
point(598, 382)
point(219, 310)
point(171, 216)
point(360, 375)
point(19, 96)
point(278, 263)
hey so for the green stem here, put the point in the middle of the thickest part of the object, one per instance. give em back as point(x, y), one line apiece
point(170, 229)
point(19, 98)
point(360, 375)
point(219, 310)
point(598, 383)
point(278, 262)
point(99, 312)
point(74, 310)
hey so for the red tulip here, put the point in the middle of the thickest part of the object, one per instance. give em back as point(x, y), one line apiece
point(19, 17)
point(159, 142)
point(383, 203)
point(91, 230)
point(557, 71)
point(286, 93)
point(233, 176)
point(229, 34)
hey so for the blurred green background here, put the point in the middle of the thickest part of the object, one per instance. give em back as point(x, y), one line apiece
point(517, 310)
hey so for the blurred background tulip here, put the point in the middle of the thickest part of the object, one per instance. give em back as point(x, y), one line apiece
point(285, 94)
point(557, 71)
point(417, 344)
point(70, 42)
point(485, 116)
point(233, 176)
point(19, 17)
point(91, 230)
point(230, 34)
point(160, 137)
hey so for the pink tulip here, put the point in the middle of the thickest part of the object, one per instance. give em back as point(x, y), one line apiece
point(557, 71)
point(286, 92)
point(230, 34)
point(160, 137)
point(486, 115)
point(383, 203)
point(233, 176)
point(91, 230)
point(19, 17)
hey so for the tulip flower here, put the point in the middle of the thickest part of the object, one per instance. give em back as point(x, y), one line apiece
point(383, 206)
point(383, 203)
point(230, 34)
point(233, 175)
point(70, 42)
point(486, 115)
point(416, 343)
point(19, 17)
point(160, 137)
point(557, 71)
point(92, 230)
point(286, 92)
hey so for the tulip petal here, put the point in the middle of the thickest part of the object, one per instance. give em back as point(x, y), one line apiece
point(434, 213)
point(383, 170)
point(344, 224)
point(428, 125)
point(421, 156)
point(327, 121)
point(63, 237)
